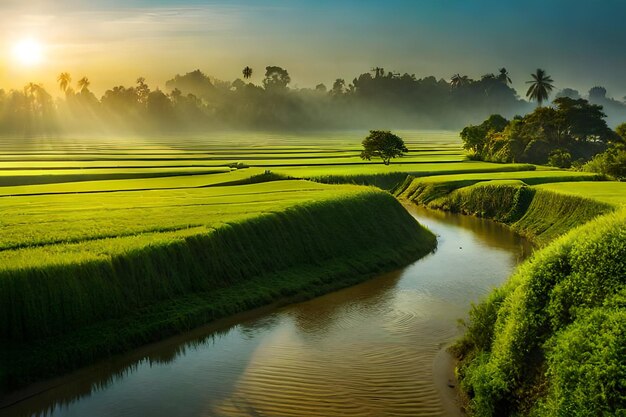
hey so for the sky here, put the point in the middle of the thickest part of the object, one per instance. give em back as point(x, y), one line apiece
point(580, 43)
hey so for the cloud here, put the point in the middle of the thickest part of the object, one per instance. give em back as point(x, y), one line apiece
point(124, 25)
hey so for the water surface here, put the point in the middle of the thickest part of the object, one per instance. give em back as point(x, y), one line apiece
point(368, 350)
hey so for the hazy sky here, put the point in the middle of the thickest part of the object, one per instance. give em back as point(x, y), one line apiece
point(581, 43)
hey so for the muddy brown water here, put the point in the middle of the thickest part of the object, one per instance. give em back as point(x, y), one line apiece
point(370, 350)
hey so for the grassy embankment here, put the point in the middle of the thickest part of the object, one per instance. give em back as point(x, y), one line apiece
point(550, 342)
point(526, 201)
point(86, 275)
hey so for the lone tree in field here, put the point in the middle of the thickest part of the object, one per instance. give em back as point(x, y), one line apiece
point(540, 86)
point(384, 145)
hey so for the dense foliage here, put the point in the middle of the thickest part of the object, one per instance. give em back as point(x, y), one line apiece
point(611, 162)
point(551, 341)
point(384, 145)
point(572, 130)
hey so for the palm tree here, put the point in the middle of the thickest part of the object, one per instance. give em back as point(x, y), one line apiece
point(378, 71)
point(64, 80)
point(540, 86)
point(30, 89)
point(504, 76)
point(459, 80)
point(32, 92)
point(247, 72)
point(84, 83)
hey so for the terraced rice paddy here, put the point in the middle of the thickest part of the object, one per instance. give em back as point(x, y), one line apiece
point(65, 200)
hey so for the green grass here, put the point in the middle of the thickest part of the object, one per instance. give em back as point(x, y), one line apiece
point(529, 176)
point(376, 168)
point(551, 341)
point(541, 212)
point(162, 183)
point(27, 177)
point(607, 192)
point(32, 221)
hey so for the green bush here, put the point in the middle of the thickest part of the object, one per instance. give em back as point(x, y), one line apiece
point(560, 158)
point(569, 130)
point(561, 315)
point(612, 163)
point(586, 366)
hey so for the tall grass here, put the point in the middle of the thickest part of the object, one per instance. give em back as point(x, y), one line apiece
point(551, 341)
point(552, 214)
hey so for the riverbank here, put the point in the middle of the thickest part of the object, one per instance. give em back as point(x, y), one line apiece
point(546, 341)
point(297, 253)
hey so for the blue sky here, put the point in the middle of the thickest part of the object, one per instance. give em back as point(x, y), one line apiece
point(580, 43)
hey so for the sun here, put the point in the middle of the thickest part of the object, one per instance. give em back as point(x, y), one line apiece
point(28, 52)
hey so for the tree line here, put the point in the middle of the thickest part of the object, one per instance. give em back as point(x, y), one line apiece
point(196, 102)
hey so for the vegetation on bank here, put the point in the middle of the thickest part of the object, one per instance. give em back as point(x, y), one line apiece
point(62, 282)
point(550, 342)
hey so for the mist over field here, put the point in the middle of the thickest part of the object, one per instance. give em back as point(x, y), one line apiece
point(196, 102)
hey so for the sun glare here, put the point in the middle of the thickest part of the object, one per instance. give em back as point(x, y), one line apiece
point(28, 52)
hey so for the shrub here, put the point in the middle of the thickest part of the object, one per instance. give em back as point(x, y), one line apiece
point(560, 158)
point(612, 162)
point(562, 314)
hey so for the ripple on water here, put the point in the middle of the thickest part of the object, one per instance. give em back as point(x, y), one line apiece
point(381, 377)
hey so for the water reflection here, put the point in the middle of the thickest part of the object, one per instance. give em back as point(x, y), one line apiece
point(366, 350)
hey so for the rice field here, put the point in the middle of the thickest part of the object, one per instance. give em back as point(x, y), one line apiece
point(610, 192)
point(31, 225)
point(65, 201)
point(80, 191)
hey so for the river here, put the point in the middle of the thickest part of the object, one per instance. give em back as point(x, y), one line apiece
point(369, 350)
